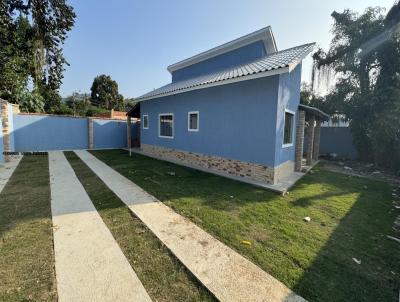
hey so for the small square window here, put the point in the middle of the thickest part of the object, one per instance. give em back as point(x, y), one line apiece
point(166, 123)
point(288, 130)
point(145, 121)
point(193, 121)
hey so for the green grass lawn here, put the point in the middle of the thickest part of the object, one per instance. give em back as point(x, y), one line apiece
point(164, 277)
point(350, 218)
point(26, 238)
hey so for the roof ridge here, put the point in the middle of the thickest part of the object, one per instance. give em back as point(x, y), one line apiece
point(268, 65)
point(243, 64)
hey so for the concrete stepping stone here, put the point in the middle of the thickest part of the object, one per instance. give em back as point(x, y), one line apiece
point(90, 265)
point(7, 170)
point(228, 275)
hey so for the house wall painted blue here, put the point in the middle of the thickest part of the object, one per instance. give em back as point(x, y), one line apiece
point(235, 121)
point(241, 121)
point(235, 57)
point(288, 99)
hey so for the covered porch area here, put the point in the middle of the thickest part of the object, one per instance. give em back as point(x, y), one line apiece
point(308, 137)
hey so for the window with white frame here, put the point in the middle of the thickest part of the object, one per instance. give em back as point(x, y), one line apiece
point(193, 121)
point(145, 121)
point(288, 130)
point(166, 125)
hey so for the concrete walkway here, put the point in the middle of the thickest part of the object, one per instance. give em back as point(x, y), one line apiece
point(228, 275)
point(7, 170)
point(90, 266)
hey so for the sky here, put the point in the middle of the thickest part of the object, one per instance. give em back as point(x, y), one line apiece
point(134, 41)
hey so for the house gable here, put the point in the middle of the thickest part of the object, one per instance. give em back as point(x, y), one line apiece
point(245, 49)
point(229, 59)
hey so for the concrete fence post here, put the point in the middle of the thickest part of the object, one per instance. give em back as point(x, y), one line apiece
point(310, 138)
point(299, 141)
point(317, 138)
point(90, 133)
point(129, 132)
point(6, 130)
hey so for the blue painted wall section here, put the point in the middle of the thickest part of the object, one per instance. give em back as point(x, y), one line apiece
point(11, 126)
point(110, 133)
point(237, 121)
point(235, 57)
point(338, 140)
point(289, 98)
point(46, 133)
point(1, 141)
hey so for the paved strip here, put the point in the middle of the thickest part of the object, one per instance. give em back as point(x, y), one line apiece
point(7, 170)
point(90, 266)
point(228, 275)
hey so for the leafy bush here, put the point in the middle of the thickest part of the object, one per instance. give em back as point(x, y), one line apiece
point(30, 101)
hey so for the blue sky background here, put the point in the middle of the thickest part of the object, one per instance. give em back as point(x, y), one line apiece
point(134, 41)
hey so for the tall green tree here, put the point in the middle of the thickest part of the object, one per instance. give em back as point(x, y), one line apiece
point(15, 54)
point(104, 93)
point(365, 55)
point(41, 27)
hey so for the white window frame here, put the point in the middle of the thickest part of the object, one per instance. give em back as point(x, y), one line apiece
point(159, 125)
point(148, 122)
point(293, 128)
point(198, 121)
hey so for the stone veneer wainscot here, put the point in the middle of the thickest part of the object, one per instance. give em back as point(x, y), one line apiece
point(213, 163)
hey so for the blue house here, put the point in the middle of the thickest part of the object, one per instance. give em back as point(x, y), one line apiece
point(232, 110)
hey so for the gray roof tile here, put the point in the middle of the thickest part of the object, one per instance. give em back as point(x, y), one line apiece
point(277, 60)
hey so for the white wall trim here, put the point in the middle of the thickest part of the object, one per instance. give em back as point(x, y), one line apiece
point(198, 121)
point(220, 83)
point(159, 125)
point(148, 121)
point(293, 128)
point(265, 35)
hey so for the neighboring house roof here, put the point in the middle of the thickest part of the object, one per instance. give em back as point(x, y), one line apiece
point(265, 35)
point(276, 63)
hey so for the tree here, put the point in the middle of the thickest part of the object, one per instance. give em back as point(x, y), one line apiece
point(15, 55)
point(79, 103)
point(104, 93)
point(365, 56)
point(32, 34)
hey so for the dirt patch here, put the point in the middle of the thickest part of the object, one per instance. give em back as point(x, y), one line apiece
point(259, 234)
point(360, 169)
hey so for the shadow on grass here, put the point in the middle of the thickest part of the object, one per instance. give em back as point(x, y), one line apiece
point(26, 238)
point(350, 219)
point(360, 234)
